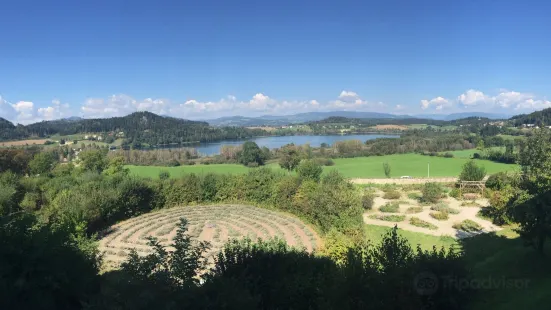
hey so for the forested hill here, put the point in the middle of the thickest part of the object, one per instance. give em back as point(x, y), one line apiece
point(401, 121)
point(139, 127)
point(538, 118)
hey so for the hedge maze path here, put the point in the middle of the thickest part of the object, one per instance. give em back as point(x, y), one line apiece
point(215, 224)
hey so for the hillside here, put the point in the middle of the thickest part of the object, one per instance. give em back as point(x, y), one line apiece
point(137, 128)
point(279, 120)
point(539, 118)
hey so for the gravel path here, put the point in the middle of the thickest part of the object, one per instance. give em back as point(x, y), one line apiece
point(444, 227)
point(403, 181)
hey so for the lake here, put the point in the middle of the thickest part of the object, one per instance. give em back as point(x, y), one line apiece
point(276, 142)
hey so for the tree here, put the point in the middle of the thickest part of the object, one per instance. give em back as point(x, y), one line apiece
point(309, 170)
point(44, 267)
point(480, 145)
point(250, 155)
point(93, 160)
point(472, 172)
point(290, 158)
point(532, 208)
point(386, 168)
point(116, 166)
point(42, 163)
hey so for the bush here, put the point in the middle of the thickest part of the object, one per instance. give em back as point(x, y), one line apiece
point(173, 163)
point(390, 207)
point(448, 155)
point(500, 180)
point(468, 226)
point(411, 210)
point(498, 209)
point(367, 200)
point(441, 216)
point(324, 161)
point(252, 165)
point(392, 195)
point(309, 170)
point(415, 221)
point(442, 207)
point(472, 172)
point(454, 193)
point(164, 175)
point(414, 196)
point(432, 192)
point(388, 218)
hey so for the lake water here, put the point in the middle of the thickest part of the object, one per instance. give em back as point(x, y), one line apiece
point(276, 142)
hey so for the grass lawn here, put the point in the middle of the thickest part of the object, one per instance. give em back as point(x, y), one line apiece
point(409, 164)
point(503, 257)
point(520, 278)
point(469, 153)
point(360, 167)
point(375, 233)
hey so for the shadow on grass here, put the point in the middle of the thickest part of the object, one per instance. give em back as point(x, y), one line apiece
point(516, 276)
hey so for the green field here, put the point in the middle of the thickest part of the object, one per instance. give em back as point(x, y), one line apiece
point(410, 164)
point(360, 167)
point(375, 234)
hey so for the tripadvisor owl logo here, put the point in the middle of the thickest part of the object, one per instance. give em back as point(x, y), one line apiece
point(426, 283)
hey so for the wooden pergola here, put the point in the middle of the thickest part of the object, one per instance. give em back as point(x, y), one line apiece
point(481, 185)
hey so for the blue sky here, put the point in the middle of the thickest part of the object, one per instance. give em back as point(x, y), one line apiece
point(203, 59)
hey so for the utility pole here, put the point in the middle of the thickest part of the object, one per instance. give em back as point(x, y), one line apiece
point(428, 170)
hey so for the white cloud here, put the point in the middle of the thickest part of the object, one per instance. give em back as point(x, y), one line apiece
point(6, 110)
point(474, 98)
point(439, 103)
point(56, 111)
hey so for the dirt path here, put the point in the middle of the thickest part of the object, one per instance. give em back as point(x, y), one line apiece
point(403, 181)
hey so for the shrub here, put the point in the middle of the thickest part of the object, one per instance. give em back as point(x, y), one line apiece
point(367, 200)
point(415, 221)
point(308, 169)
point(414, 196)
point(386, 168)
point(414, 210)
point(173, 163)
point(498, 208)
point(468, 226)
point(388, 218)
point(472, 172)
point(432, 192)
point(252, 165)
point(454, 193)
point(441, 216)
point(324, 161)
point(448, 155)
point(164, 175)
point(390, 207)
point(500, 180)
point(442, 207)
point(392, 195)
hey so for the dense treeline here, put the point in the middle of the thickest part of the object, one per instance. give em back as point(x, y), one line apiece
point(538, 118)
point(137, 129)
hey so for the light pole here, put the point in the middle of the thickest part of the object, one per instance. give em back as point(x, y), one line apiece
point(428, 170)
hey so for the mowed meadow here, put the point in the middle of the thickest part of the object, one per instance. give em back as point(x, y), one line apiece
point(414, 165)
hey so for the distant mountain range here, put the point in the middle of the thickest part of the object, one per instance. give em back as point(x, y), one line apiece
point(279, 120)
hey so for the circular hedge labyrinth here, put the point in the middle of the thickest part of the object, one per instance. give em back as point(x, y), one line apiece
point(215, 224)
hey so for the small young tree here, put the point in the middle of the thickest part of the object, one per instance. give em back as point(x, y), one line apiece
point(250, 155)
point(386, 168)
point(309, 169)
point(472, 172)
point(289, 159)
point(480, 145)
